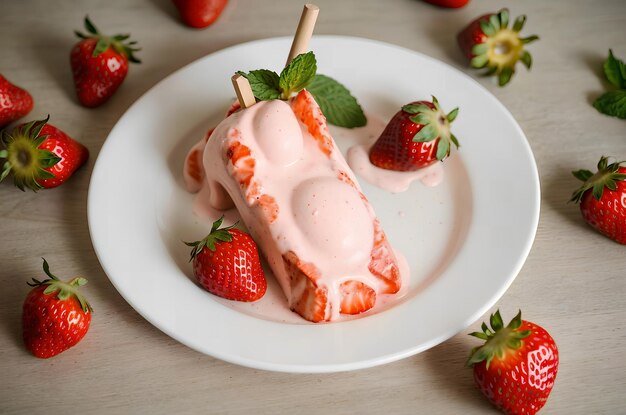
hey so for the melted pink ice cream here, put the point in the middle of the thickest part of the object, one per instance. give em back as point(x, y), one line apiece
point(391, 180)
point(324, 220)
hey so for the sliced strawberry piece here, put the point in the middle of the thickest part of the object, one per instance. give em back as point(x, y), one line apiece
point(308, 300)
point(309, 113)
point(383, 263)
point(356, 297)
point(243, 164)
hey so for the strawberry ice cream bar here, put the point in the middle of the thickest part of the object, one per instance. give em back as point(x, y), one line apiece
point(278, 164)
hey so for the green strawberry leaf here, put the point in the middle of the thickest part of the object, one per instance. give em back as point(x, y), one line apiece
point(583, 175)
point(612, 103)
point(527, 59)
point(427, 133)
point(338, 105)
point(443, 149)
point(297, 74)
point(519, 23)
point(487, 28)
point(101, 46)
point(264, 84)
point(615, 71)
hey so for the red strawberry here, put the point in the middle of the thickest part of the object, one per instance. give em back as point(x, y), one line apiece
point(55, 315)
point(200, 13)
point(356, 297)
point(15, 102)
point(451, 4)
point(40, 155)
point(487, 42)
point(227, 264)
point(100, 64)
point(516, 367)
point(603, 199)
point(417, 136)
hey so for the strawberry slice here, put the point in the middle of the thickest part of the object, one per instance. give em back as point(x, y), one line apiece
point(309, 113)
point(356, 297)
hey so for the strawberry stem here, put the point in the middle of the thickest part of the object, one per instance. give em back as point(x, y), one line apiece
point(24, 157)
point(499, 340)
point(606, 176)
point(63, 289)
point(215, 236)
point(103, 42)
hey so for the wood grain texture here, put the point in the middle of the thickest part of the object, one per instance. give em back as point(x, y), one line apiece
point(573, 283)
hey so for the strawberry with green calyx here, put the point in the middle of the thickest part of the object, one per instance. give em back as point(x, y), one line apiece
point(100, 64)
point(602, 198)
point(40, 156)
point(55, 315)
point(337, 104)
point(516, 366)
point(417, 136)
point(489, 43)
point(226, 263)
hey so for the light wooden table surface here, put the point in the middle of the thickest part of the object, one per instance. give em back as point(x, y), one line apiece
point(573, 283)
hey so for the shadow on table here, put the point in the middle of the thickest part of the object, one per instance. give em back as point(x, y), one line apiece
point(446, 363)
point(558, 191)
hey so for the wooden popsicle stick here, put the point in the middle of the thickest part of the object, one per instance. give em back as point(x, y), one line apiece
point(304, 31)
point(243, 91)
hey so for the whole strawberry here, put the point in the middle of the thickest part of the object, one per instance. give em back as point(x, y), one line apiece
point(489, 43)
point(603, 198)
point(417, 136)
point(100, 64)
point(516, 367)
point(226, 263)
point(200, 13)
point(40, 155)
point(15, 102)
point(55, 316)
point(449, 4)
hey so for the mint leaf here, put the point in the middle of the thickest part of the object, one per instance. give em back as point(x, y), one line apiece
point(615, 71)
point(612, 103)
point(264, 83)
point(336, 102)
point(297, 74)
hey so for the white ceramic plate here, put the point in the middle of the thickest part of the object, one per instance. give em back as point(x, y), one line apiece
point(464, 240)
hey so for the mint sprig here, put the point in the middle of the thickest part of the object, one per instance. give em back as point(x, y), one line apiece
point(297, 74)
point(264, 83)
point(613, 103)
point(337, 104)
